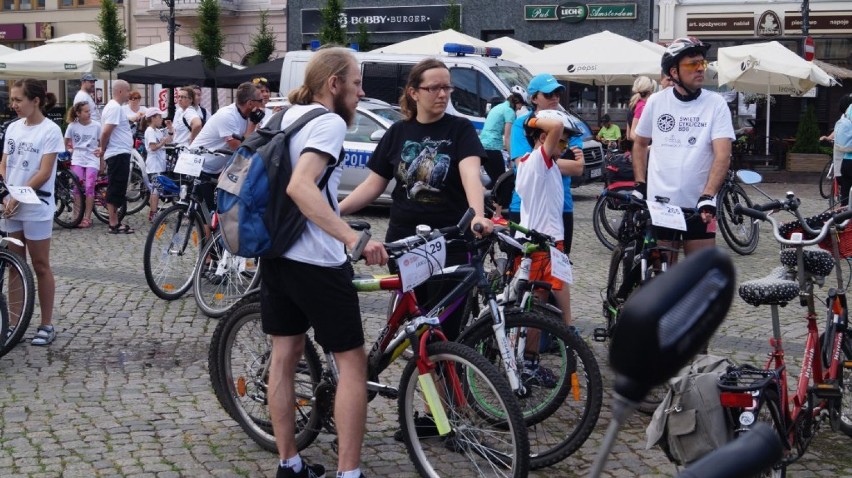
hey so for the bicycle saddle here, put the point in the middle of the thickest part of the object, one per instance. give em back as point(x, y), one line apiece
point(773, 289)
point(358, 225)
point(817, 262)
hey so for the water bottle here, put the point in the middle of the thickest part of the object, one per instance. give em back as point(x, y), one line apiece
point(183, 191)
point(522, 276)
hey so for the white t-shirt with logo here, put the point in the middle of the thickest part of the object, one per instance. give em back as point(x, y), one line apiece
point(121, 139)
point(182, 133)
point(224, 124)
point(539, 184)
point(323, 134)
point(681, 134)
point(84, 140)
point(93, 107)
point(155, 162)
point(25, 146)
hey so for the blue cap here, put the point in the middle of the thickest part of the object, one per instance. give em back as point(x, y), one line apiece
point(88, 77)
point(544, 82)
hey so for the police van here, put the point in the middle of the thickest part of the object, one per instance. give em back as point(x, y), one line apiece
point(481, 79)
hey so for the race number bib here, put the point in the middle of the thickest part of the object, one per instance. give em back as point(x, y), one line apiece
point(560, 266)
point(24, 194)
point(666, 215)
point(189, 164)
point(422, 263)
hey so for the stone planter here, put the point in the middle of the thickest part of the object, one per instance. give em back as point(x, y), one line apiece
point(806, 163)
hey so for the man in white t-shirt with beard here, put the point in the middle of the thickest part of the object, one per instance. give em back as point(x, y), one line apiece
point(691, 131)
point(86, 93)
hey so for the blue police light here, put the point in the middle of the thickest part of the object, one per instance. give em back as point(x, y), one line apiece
point(461, 49)
point(315, 44)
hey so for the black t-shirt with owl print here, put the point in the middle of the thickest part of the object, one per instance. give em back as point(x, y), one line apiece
point(424, 160)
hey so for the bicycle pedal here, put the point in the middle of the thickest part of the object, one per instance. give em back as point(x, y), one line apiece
point(600, 334)
point(828, 390)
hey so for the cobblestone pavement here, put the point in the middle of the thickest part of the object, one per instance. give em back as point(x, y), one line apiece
point(124, 390)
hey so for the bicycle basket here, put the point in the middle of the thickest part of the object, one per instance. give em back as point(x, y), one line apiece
point(844, 237)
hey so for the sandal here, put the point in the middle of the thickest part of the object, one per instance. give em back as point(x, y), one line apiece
point(45, 335)
point(121, 229)
point(85, 223)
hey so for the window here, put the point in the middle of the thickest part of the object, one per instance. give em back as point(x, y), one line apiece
point(385, 81)
point(361, 129)
point(23, 5)
point(80, 3)
point(473, 92)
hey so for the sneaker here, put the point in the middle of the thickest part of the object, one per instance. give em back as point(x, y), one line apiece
point(308, 471)
point(45, 335)
point(423, 424)
point(537, 375)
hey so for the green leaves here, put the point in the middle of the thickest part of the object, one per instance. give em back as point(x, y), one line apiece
point(112, 46)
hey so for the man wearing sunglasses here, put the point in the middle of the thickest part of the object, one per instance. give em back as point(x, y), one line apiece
point(692, 131)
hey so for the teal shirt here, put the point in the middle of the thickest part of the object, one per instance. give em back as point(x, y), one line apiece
point(492, 131)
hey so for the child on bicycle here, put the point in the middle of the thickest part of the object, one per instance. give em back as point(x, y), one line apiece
point(156, 139)
point(539, 184)
point(82, 138)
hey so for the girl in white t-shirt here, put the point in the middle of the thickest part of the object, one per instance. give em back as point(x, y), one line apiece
point(82, 138)
point(155, 140)
point(29, 159)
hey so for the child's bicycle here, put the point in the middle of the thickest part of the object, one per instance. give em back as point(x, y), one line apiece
point(483, 434)
point(823, 391)
point(99, 207)
point(69, 194)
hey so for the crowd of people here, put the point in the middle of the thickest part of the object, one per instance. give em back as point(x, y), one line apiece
point(528, 133)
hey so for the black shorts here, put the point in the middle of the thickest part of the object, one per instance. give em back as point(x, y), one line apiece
point(207, 189)
point(295, 296)
point(695, 229)
point(118, 170)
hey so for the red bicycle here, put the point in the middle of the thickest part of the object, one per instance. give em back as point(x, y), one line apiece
point(823, 389)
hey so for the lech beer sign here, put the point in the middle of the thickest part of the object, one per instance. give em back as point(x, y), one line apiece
point(571, 12)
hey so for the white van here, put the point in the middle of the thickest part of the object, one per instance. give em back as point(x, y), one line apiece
point(480, 81)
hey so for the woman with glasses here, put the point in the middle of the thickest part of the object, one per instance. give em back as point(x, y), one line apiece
point(435, 158)
point(187, 123)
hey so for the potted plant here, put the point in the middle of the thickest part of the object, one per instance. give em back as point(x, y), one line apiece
point(806, 155)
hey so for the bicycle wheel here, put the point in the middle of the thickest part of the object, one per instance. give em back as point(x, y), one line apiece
point(560, 417)
point(4, 321)
point(740, 232)
point(99, 208)
point(18, 288)
point(844, 379)
point(493, 445)
point(221, 278)
point(70, 199)
point(826, 180)
point(172, 249)
point(137, 191)
point(769, 412)
point(240, 365)
point(606, 219)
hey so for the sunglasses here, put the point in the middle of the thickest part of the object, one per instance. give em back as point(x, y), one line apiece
point(694, 65)
point(259, 81)
point(551, 95)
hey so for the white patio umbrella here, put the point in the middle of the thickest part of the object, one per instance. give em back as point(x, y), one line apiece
point(63, 58)
point(768, 68)
point(431, 44)
point(601, 58)
point(512, 49)
point(159, 53)
point(4, 50)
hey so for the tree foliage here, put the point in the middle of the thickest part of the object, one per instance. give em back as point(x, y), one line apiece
point(453, 18)
point(263, 43)
point(332, 29)
point(112, 46)
point(209, 40)
point(362, 38)
point(807, 136)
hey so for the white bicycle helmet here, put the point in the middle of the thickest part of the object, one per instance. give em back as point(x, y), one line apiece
point(520, 91)
point(567, 122)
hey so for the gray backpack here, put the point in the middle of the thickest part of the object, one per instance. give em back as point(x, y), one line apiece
point(690, 422)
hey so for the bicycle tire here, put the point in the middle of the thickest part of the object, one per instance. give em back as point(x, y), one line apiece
point(740, 232)
point(606, 220)
point(844, 380)
point(770, 413)
point(559, 420)
point(214, 352)
point(4, 320)
point(476, 439)
point(137, 193)
point(168, 269)
point(19, 295)
point(218, 284)
point(70, 199)
point(241, 362)
point(826, 180)
point(99, 207)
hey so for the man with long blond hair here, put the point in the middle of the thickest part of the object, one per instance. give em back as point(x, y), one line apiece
point(294, 289)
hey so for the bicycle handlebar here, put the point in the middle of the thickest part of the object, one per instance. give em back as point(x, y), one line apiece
point(791, 205)
point(748, 455)
point(401, 246)
point(634, 201)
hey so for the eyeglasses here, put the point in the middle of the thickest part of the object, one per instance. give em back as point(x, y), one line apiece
point(260, 81)
point(435, 89)
point(694, 65)
point(183, 97)
point(259, 100)
point(551, 95)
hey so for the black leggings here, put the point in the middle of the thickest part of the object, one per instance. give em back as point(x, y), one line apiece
point(845, 179)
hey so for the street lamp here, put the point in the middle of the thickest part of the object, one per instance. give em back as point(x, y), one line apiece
point(171, 27)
